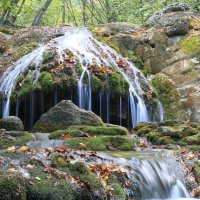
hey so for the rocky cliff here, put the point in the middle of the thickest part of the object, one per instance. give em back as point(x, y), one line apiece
point(167, 48)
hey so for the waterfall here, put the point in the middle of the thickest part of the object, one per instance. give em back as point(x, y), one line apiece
point(88, 51)
point(161, 111)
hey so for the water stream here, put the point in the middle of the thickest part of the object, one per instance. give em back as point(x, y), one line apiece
point(158, 175)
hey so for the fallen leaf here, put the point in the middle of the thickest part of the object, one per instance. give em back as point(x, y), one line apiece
point(24, 149)
point(191, 156)
point(60, 149)
point(12, 148)
point(183, 150)
point(66, 137)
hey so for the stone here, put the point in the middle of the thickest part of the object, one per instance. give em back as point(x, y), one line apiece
point(11, 123)
point(64, 115)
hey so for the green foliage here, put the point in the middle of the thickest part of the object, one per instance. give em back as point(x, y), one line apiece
point(118, 84)
point(46, 81)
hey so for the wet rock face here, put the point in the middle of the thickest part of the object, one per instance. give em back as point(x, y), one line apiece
point(64, 115)
point(11, 123)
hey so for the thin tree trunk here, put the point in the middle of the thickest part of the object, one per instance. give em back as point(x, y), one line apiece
point(63, 11)
point(84, 12)
point(41, 12)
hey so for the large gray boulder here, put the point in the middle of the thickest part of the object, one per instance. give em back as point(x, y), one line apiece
point(11, 123)
point(174, 20)
point(64, 115)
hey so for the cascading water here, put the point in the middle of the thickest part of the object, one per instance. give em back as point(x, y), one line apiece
point(88, 51)
point(160, 177)
point(161, 111)
point(157, 179)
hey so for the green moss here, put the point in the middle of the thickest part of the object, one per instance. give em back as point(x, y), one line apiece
point(58, 160)
point(153, 137)
point(190, 45)
point(96, 83)
point(12, 187)
point(78, 131)
point(79, 70)
point(138, 62)
point(5, 143)
point(45, 189)
point(118, 84)
point(23, 140)
point(71, 82)
point(46, 81)
point(165, 140)
point(192, 140)
point(167, 94)
point(143, 131)
point(102, 143)
point(47, 56)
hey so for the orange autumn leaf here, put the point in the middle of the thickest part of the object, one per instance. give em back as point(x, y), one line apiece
point(60, 149)
point(66, 137)
point(24, 149)
point(183, 150)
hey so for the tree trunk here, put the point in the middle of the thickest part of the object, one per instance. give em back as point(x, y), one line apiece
point(41, 12)
point(63, 12)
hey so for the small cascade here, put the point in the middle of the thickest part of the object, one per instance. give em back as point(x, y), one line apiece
point(120, 111)
point(85, 91)
point(157, 179)
point(161, 111)
point(88, 51)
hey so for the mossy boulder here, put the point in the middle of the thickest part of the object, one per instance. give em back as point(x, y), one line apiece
point(64, 115)
point(80, 131)
point(168, 132)
point(12, 186)
point(102, 143)
point(192, 140)
point(11, 123)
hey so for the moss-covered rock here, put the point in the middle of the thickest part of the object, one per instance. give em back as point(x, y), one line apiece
point(64, 115)
point(79, 131)
point(102, 143)
point(192, 140)
point(11, 123)
point(12, 186)
point(167, 94)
